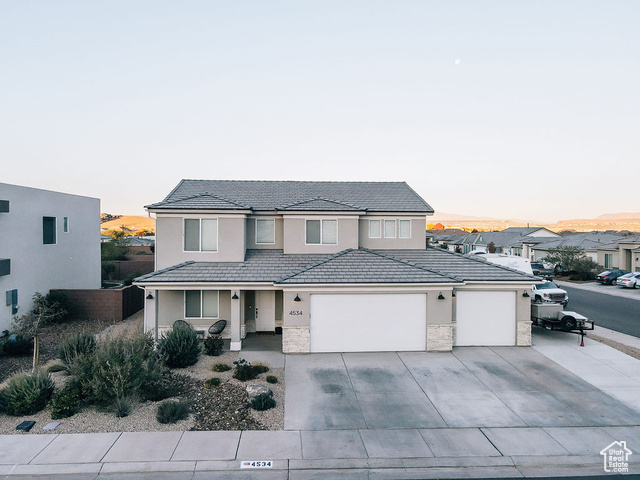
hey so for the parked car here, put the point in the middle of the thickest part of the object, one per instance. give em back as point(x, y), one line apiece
point(629, 280)
point(549, 292)
point(609, 277)
point(541, 270)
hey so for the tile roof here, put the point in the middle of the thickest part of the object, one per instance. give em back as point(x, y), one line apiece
point(320, 204)
point(271, 195)
point(433, 265)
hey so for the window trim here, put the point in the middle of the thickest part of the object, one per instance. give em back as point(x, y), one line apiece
point(410, 228)
point(321, 220)
point(184, 299)
point(184, 233)
point(273, 222)
point(55, 230)
point(379, 228)
point(395, 233)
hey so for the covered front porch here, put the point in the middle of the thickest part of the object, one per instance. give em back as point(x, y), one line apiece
point(248, 310)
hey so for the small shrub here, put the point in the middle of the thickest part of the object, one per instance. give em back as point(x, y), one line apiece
point(15, 345)
point(244, 370)
point(74, 345)
point(156, 389)
point(213, 345)
point(26, 394)
point(65, 403)
point(60, 302)
point(179, 347)
point(122, 407)
point(212, 382)
point(220, 367)
point(260, 369)
point(171, 411)
point(272, 379)
point(262, 402)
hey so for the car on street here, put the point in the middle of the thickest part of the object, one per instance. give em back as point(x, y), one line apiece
point(609, 277)
point(629, 280)
point(549, 292)
point(541, 270)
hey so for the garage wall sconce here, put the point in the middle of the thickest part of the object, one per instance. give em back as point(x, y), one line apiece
point(440, 297)
point(297, 299)
point(149, 297)
point(526, 294)
point(453, 295)
point(235, 296)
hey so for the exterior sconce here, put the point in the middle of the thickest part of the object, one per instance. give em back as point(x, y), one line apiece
point(297, 299)
point(453, 294)
point(235, 296)
point(440, 297)
point(149, 297)
point(526, 294)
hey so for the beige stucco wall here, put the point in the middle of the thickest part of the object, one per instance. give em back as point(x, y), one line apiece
point(171, 308)
point(170, 243)
point(251, 233)
point(295, 234)
point(417, 240)
point(73, 262)
point(615, 258)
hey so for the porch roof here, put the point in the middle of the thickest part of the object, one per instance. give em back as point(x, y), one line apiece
point(433, 265)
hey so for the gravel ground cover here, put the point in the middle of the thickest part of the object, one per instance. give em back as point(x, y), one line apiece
point(631, 351)
point(211, 408)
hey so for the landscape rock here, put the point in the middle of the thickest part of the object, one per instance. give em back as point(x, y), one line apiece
point(253, 391)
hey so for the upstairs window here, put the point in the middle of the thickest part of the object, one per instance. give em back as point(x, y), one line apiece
point(265, 232)
point(201, 234)
point(374, 229)
point(322, 232)
point(65, 224)
point(201, 303)
point(389, 229)
point(48, 230)
point(404, 228)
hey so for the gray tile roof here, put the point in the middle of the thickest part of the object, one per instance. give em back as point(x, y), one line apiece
point(433, 265)
point(366, 266)
point(271, 195)
point(321, 204)
point(586, 241)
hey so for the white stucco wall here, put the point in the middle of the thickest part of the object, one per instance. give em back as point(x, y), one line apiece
point(73, 262)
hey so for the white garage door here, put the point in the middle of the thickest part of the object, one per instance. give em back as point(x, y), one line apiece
point(485, 318)
point(368, 323)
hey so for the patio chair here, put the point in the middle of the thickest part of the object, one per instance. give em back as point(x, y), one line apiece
point(180, 323)
point(218, 327)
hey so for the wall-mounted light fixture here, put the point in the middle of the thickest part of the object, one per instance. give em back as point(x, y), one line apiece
point(149, 297)
point(453, 295)
point(235, 296)
point(526, 294)
point(440, 297)
point(297, 299)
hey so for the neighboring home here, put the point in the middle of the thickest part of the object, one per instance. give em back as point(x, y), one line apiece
point(333, 266)
point(48, 240)
point(623, 253)
point(587, 241)
point(510, 241)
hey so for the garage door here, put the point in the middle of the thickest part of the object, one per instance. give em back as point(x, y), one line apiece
point(368, 323)
point(485, 318)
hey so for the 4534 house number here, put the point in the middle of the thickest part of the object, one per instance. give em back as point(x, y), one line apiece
point(295, 312)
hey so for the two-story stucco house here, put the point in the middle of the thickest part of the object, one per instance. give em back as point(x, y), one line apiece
point(48, 240)
point(333, 266)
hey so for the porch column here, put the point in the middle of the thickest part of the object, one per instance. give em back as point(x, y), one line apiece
point(236, 321)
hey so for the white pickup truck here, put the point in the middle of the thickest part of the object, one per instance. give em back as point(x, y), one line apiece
point(549, 292)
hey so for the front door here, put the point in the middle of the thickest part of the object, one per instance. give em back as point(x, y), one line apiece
point(265, 310)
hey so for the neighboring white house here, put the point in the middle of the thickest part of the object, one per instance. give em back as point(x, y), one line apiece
point(334, 266)
point(48, 240)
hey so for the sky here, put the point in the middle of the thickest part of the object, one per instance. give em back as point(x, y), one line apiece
point(508, 109)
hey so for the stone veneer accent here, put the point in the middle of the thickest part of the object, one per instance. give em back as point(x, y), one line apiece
point(295, 339)
point(523, 335)
point(439, 338)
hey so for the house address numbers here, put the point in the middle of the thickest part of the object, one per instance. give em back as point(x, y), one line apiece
point(295, 312)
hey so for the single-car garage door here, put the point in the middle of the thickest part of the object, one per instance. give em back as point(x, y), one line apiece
point(485, 318)
point(368, 322)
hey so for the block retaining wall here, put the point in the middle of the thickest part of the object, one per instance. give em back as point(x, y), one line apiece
point(109, 304)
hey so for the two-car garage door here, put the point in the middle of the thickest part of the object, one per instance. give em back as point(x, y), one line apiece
point(368, 322)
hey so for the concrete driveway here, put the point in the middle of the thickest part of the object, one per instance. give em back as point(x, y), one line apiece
point(469, 387)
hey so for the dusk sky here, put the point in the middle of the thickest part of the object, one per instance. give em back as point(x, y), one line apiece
point(509, 109)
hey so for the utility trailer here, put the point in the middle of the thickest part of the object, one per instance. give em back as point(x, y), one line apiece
point(552, 316)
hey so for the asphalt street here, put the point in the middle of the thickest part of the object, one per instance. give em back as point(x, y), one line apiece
point(617, 313)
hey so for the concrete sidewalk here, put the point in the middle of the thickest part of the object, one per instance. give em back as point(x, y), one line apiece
point(389, 454)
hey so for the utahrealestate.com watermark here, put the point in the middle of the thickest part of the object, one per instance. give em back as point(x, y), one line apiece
point(616, 457)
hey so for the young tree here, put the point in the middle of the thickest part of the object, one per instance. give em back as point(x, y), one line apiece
point(491, 247)
point(565, 256)
point(29, 324)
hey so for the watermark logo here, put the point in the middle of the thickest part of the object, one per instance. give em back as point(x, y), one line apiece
point(616, 457)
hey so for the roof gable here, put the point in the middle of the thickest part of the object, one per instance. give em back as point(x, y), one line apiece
point(207, 201)
point(322, 204)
